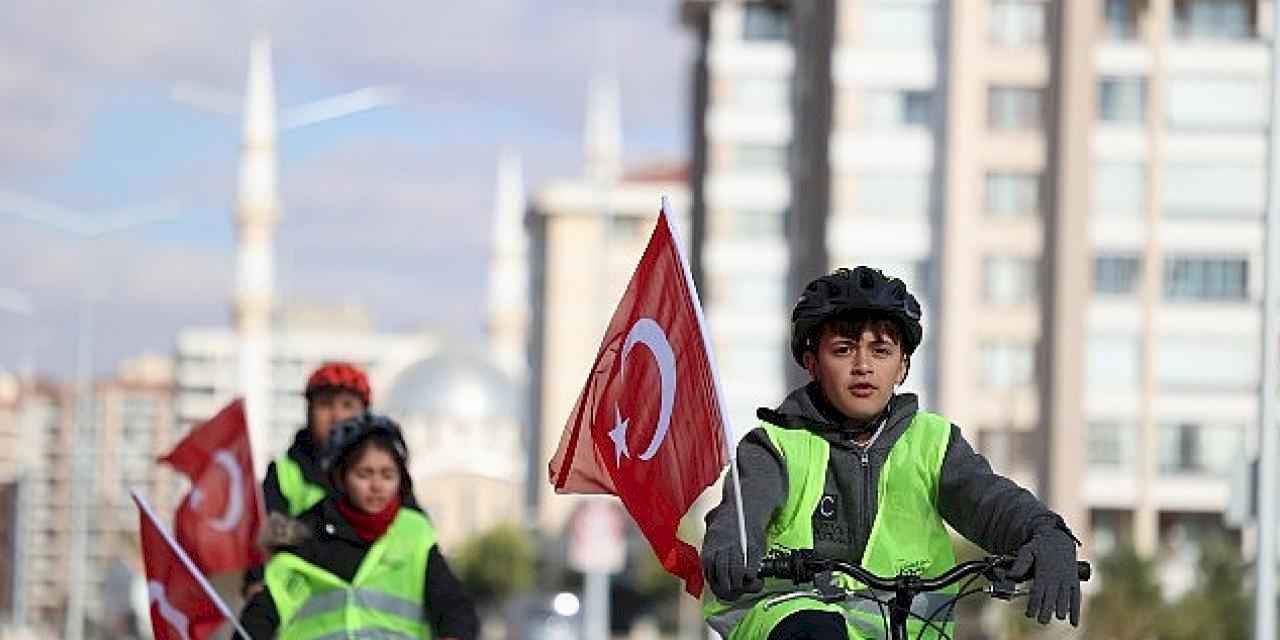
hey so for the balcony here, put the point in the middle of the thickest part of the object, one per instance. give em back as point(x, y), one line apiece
point(1218, 57)
point(1213, 20)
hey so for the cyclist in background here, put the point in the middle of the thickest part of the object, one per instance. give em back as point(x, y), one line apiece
point(295, 482)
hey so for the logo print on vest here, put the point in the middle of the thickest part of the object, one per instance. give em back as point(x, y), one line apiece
point(829, 507)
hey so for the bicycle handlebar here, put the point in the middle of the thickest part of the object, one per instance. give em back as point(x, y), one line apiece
point(801, 565)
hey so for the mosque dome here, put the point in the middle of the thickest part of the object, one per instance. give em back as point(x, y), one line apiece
point(454, 384)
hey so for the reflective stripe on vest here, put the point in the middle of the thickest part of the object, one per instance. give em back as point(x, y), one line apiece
point(907, 536)
point(300, 493)
point(386, 599)
point(374, 634)
point(337, 599)
point(869, 621)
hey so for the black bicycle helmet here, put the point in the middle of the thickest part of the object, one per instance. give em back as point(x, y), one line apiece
point(844, 291)
point(347, 435)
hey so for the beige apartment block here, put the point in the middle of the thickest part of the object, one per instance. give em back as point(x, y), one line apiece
point(1073, 189)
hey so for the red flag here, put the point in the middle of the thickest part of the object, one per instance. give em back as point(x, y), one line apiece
point(218, 521)
point(648, 425)
point(183, 605)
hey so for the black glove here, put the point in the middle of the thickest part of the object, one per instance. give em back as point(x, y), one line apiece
point(727, 576)
point(1049, 558)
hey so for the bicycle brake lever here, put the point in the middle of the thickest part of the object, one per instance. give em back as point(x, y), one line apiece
point(828, 591)
point(1002, 586)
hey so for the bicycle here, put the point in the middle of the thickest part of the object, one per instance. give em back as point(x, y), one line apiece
point(803, 566)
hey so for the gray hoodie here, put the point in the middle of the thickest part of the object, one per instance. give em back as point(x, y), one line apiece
point(987, 508)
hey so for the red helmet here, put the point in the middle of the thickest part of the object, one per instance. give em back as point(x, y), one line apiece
point(339, 376)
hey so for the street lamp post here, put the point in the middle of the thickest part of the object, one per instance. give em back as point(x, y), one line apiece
point(87, 227)
point(1264, 606)
point(19, 303)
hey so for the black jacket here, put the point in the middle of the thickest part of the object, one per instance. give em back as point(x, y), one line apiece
point(303, 452)
point(335, 547)
point(983, 506)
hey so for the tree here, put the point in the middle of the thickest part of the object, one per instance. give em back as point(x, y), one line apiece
point(496, 565)
point(1129, 606)
point(1217, 606)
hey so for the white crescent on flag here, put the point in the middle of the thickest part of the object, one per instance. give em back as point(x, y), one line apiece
point(235, 491)
point(648, 332)
point(171, 614)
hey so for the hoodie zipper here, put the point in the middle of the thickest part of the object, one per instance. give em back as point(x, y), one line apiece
point(864, 456)
point(866, 497)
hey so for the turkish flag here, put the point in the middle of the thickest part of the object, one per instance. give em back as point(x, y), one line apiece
point(183, 606)
point(217, 523)
point(648, 426)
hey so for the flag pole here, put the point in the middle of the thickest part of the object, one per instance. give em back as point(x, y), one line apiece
point(186, 561)
point(725, 422)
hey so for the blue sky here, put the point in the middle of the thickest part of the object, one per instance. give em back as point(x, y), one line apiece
point(86, 123)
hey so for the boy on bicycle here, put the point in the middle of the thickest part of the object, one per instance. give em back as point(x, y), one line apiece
point(851, 469)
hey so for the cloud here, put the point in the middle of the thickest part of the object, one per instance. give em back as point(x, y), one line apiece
point(59, 60)
point(378, 195)
point(142, 294)
point(397, 216)
point(530, 57)
point(392, 225)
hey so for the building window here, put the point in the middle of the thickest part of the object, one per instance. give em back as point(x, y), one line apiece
point(754, 293)
point(759, 223)
point(1015, 108)
point(1017, 23)
point(914, 273)
point(1213, 19)
point(892, 194)
point(1214, 190)
point(758, 158)
point(1009, 448)
point(1122, 100)
point(1119, 189)
point(626, 228)
point(1116, 274)
point(1110, 444)
point(1194, 448)
point(1180, 448)
point(764, 21)
point(761, 94)
point(1008, 365)
point(752, 356)
point(898, 108)
point(1009, 279)
point(1121, 19)
point(1013, 194)
point(1206, 278)
point(893, 23)
point(1206, 362)
point(1215, 103)
point(1113, 361)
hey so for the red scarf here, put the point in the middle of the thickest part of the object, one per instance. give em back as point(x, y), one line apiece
point(369, 526)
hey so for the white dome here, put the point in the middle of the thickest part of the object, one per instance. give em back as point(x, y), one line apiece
point(454, 385)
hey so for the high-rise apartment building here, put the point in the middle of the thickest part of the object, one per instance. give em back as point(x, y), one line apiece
point(1074, 190)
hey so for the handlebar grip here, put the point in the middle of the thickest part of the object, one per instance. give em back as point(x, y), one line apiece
point(1084, 570)
point(774, 567)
